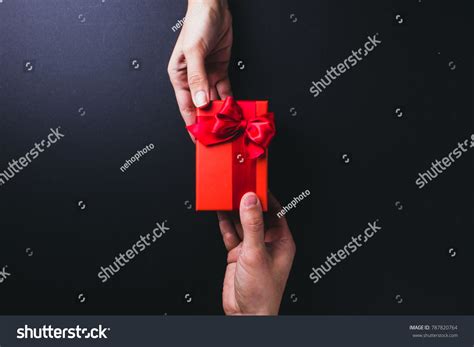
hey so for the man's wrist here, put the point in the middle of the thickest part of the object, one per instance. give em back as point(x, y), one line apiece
point(213, 3)
point(268, 311)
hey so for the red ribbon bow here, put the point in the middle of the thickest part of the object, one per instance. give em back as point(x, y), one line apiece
point(229, 123)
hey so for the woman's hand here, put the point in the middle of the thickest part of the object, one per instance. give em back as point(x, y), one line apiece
point(199, 62)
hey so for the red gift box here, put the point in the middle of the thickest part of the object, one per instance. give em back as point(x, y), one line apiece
point(231, 153)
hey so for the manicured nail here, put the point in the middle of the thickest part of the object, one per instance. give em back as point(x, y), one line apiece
point(250, 200)
point(200, 98)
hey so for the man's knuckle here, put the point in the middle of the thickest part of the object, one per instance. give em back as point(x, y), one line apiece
point(228, 238)
point(255, 223)
point(253, 257)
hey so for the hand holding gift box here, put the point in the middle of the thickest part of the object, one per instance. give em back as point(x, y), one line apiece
point(231, 152)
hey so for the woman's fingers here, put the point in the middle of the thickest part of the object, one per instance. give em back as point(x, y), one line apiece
point(223, 88)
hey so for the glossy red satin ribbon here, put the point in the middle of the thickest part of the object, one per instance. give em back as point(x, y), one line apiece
point(244, 170)
point(229, 124)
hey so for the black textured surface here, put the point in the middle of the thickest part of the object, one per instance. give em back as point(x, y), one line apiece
point(82, 51)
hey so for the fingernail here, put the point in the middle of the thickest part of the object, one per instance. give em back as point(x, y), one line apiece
point(200, 98)
point(250, 200)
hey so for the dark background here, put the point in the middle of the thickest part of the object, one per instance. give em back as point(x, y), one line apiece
point(82, 51)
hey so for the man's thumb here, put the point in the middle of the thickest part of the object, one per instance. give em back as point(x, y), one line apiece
point(251, 218)
point(197, 77)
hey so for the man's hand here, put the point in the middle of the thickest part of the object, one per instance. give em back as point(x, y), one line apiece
point(261, 252)
point(199, 62)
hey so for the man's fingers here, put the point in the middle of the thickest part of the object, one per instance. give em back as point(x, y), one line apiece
point(197, 77)
point(283, 252)
point(272, 218)
point(229, 235)
point(251, 218)
point(223, 88)
point(279, 235)
point(237, 224)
